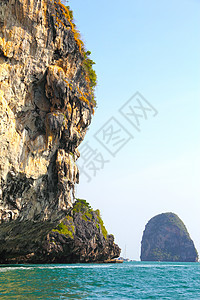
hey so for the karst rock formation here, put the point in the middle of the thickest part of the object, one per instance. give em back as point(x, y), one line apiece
point(46, 103)
point(166, 238)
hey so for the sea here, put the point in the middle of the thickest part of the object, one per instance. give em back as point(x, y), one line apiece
point(129, 280)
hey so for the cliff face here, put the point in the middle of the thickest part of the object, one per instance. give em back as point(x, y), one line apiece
point(80, 238)
point(166, 238)
point(45, 109)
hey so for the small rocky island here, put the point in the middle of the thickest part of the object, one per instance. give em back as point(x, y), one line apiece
point(166, 238)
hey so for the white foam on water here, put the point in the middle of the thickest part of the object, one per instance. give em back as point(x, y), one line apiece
point(6, 269)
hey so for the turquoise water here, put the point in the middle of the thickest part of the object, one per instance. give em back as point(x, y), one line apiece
point(134, 280)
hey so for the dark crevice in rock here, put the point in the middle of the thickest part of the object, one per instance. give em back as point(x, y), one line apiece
point(2, 54)
point(52, 175)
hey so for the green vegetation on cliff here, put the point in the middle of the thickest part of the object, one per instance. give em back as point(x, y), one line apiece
point(160, 255)
point(83, 208)
point(101, 224)
point(88, 67)
point(87, 63)
point(66, 229)
point(175, 220)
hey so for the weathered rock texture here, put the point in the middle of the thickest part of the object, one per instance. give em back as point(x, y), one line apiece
point(166, 238)
point(80, 238)
point(45, 109)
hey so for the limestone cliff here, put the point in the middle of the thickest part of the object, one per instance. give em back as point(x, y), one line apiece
point(166, 238)
point(80, 238)
point(46, 102)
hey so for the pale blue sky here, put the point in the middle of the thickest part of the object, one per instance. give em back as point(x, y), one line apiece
point(152, 47)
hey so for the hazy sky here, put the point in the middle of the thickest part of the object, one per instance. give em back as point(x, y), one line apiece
point(152, 47)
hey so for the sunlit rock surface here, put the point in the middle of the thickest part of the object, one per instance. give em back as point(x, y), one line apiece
point(45, 109)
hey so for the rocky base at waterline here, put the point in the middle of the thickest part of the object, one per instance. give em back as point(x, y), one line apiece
point(166, 238)
point(80, 238)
